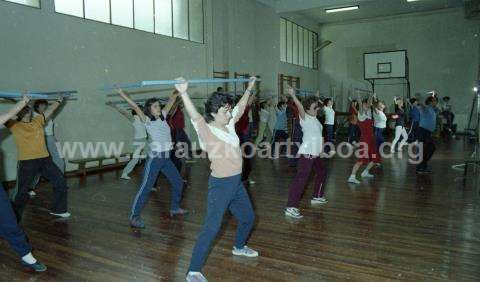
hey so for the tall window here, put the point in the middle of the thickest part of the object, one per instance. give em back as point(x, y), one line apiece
point(31, 3)
point(297, 45)
point(175, 18)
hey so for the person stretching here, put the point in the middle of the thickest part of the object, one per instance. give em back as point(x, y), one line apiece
point(311, 151)
point(216, 132)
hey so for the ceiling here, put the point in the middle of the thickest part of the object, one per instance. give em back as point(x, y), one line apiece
point(315, 9)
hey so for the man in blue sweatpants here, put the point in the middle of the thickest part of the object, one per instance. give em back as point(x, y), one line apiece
point(10, 230)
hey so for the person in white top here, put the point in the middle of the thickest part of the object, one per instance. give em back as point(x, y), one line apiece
point(155, 119)
point(329, 123)
point(139, 139)
point(380, 122)
point(311, 151)
point(263, 128)
point(39, 108)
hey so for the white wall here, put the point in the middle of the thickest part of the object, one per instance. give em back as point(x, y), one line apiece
point(443, 49)
point(42, 50)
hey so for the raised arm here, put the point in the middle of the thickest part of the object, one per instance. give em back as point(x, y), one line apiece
point(187, 102)
point(123, 112)
point(14, 110)
point(242, 104)
point(170, 102)
point(52, 108)
point(301, 110)
point(132, 104)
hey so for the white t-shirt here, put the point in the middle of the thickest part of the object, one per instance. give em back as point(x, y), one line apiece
point(380, 119)
point(159, 132)
point(312, 141)
point(264, 115)
point(229, 137)
point(329, 115)
point(139, 130)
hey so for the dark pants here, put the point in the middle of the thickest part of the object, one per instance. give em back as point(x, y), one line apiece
point(223, 193)
point(247, 151)
point(27, 170)
point(279, 135)
point(353, 133)
point(297, 135)
point(425, 138)
point(379, 137)
point(330, 133)
point(182, 147)
point(157, 162)
point(305, 165)
point(9, 229)
point(412, 135)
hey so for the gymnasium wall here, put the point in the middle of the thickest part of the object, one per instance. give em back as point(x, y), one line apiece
point(442, 46)
point(43, 50)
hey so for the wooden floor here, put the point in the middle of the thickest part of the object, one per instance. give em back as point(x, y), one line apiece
point(397, 227)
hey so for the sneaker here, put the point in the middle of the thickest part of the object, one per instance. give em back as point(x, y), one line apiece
point(37, 267)
point(321, 200)
point(178, 212)
point(195, 277)
point(293, 212)
point(62, 215)
point(366, 174)
point(32, 193)
point(245, 251)
point(251, 182)
point(137, 223)
point(424, 171)
point(353, 179)
point(125, 177)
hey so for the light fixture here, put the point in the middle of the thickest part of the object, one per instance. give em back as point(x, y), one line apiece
point(412, 0)
point(341, 9)
point(475, 89)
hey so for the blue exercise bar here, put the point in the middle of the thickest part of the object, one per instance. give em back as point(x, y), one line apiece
point(172, 82)
point(39, 95)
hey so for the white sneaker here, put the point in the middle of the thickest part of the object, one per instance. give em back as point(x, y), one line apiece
point(125, 177)
point(195, 277)
point(353, 179)
point(251, 182)
point(321, 200)
point(366, 174)
point(245, 251)
point(62, 215)
point(32, 194)
point(293, 212)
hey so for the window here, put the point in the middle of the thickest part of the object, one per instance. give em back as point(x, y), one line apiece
point(297, 45)
point(31, 3)
point(175, 18)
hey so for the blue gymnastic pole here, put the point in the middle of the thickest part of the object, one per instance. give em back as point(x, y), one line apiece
point(172, 82)
point(37, 95)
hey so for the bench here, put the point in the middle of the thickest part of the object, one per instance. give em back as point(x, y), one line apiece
point(82, 163)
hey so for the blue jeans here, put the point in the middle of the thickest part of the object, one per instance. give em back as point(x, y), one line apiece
point(329, 128)
point(157, 162)
point(223, 193)
point(9, 229)
point(378, 137)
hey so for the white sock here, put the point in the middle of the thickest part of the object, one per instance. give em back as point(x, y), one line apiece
point(353, 176)
point(365, 172)
point(28, 258)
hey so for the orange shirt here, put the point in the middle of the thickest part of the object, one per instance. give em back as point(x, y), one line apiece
point(29, 138)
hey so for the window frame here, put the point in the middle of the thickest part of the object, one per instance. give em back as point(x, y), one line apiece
point(309, 63)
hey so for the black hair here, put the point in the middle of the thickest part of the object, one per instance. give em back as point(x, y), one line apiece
point(430, 100)
point(219, 89)
point(148, 112)
point(134, 113)
point(23, 112)
point(216, 101)
point(413, 100)
point(263, 104)
point(37, 104)
point(326, 100)
point(446, 98)
point(280, 104)
point(307, 102)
